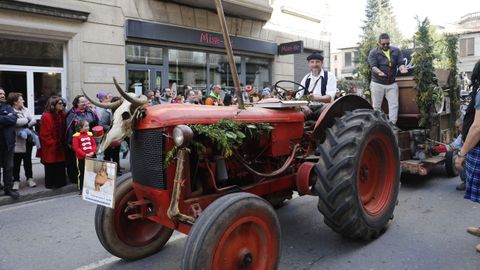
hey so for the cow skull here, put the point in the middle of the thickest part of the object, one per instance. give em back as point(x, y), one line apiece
point(123, 116)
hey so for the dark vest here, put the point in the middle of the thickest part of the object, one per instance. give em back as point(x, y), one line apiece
point(469, 116)
point(323, 88)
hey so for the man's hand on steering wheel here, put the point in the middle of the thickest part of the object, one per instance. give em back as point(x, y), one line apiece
point(294, 93)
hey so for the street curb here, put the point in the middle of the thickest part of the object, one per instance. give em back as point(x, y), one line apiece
point(6, 200)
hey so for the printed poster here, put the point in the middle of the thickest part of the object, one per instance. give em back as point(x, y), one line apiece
point(99, 182)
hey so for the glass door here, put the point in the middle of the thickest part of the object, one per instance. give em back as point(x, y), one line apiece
point(36, 84)
point(143, 77)
point(138, 81)
point(45, 85)
point(14, 81)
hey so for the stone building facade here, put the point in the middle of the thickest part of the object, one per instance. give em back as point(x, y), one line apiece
point(61, 46)
point(469, 42)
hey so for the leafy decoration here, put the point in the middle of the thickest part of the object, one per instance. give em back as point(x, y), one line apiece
point(424, 73)
point(226, 134)
point(452, 81)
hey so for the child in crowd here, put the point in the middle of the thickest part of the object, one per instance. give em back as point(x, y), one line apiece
point(84, 145)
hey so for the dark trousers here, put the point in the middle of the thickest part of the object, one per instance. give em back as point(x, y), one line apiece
point(81, 173)
point(72, 170)
point(113, 154)
point(27, 163)
point(55, 175)
point(6, 164)
point(316, 111)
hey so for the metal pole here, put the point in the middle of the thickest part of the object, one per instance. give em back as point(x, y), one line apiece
point(228, 47)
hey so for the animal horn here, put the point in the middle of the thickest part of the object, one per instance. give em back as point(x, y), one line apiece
point(135, 101)
point(112, 106)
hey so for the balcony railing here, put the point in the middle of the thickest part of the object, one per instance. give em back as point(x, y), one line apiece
point(470, 17)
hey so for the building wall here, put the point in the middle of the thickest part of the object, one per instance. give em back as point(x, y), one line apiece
point(338, 63)
point(96, 48)
point(466, 64)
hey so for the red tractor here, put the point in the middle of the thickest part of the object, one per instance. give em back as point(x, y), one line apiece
point(349, 158)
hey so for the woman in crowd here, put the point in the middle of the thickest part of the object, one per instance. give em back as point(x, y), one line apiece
point(52, 139)
point(469, 154)
point(79, 111)
point(25, 138)
point(156, 98)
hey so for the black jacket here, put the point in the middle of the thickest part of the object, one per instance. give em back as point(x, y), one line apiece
point(8, 119)
point(469, 115)
point(377, 58)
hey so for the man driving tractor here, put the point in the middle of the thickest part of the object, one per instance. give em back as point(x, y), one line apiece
point(320, 86)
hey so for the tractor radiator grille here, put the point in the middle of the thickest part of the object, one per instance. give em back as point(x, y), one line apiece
point(146, 158)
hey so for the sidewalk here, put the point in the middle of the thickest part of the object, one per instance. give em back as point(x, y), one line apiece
point(27, 193)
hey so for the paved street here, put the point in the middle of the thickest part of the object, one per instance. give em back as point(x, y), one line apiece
point(428, 232)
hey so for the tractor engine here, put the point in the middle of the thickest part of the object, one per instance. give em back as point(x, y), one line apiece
point(209, 170)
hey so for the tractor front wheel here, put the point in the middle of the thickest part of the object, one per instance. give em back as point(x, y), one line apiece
point(123, 237)
point(237, 231)
point(358, 174)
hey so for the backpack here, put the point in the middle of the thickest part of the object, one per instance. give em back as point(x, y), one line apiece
point(323, 86)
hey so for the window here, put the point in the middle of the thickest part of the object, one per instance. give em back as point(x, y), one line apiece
point(220, 69)
point(348, 59)
point(467, 47)
point(46, 84)
point(31, 53)
point(257, 72)
point(187, 67)
point(146, 69)
point(138, 54)
point(33, 68)
point(335, 57)
point(355, 58)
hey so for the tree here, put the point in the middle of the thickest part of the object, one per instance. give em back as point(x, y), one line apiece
point(452, 81)
point(424, 73)
point(378, 19)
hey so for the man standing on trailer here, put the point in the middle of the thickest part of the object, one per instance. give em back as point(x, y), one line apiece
point(384, 62)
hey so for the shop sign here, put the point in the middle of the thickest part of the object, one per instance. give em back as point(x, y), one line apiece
point(295, 47)
point(169, 33)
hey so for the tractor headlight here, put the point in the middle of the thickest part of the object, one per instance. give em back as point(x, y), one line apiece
point(182, 135)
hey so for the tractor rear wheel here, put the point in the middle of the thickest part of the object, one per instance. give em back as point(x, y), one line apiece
point(123, 237)
point(358, 174)
point(236, 231)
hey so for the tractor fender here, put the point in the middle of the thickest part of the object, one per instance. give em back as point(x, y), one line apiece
point(337, 109)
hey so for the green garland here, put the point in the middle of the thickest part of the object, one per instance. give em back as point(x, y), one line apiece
point(452, 81)
point(226, 134)
point(424, 73)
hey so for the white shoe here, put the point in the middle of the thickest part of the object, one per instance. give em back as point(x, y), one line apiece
point(16, 185)
point(31, 183)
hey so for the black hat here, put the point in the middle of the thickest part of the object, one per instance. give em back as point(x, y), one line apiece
point(315, 55)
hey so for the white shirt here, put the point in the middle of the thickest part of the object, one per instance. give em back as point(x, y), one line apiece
point(315, 86)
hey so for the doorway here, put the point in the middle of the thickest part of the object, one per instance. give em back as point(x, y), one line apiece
point(36, 84)
point(143, 77)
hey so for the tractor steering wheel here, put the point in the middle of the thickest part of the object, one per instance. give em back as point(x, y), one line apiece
point(300, 87)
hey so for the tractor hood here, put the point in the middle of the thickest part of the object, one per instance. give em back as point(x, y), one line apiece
point(160, 116)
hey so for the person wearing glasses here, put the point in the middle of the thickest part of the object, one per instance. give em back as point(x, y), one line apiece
point(53, 142)
point(384, 61)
